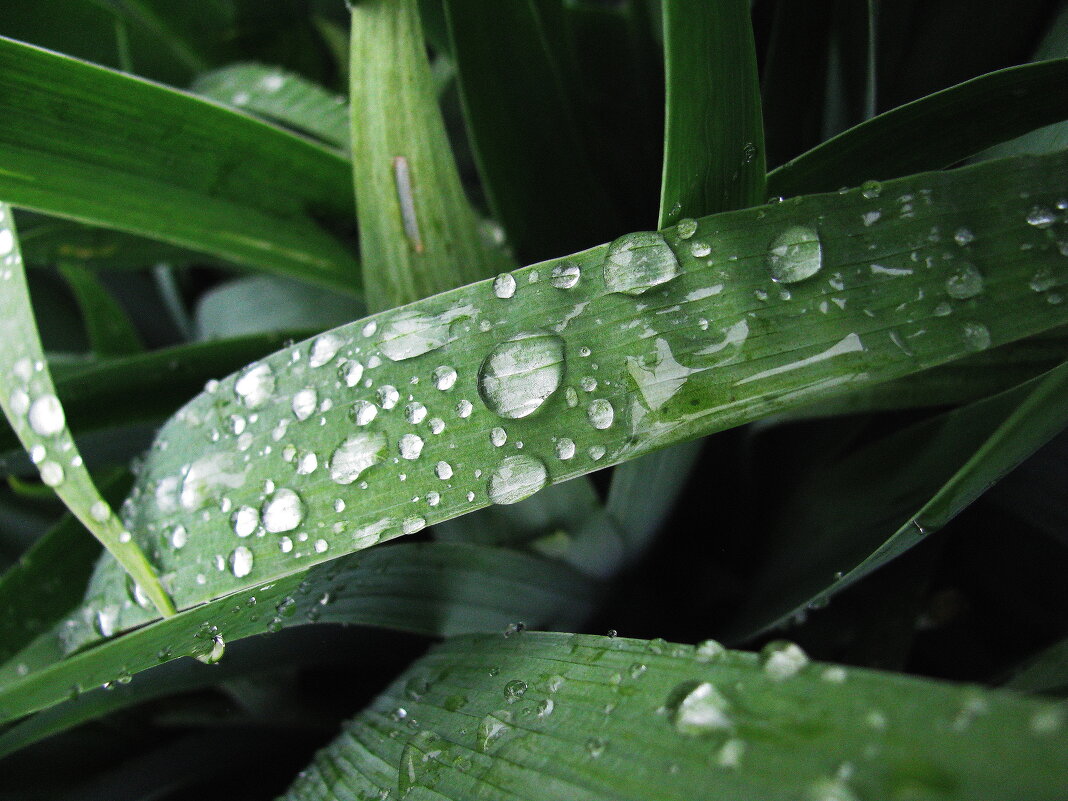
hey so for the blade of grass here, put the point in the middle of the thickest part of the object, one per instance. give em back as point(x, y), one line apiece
point(280, 96)
point(325, 421)
point(555, 716)
point(207, 178)
point(527, 144)
point(110, 331)
point(1045, 673)
point(910, 484)
point(429, 588)
point(713, 161)
point(953, 124)
point(418, 235)
point(35, 413)
point(147, 386)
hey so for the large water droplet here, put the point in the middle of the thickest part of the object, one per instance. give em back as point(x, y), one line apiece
point(600, 413)
point(966, 282)
point(283, 511)
point(323, 349)
point(408, 334)
point(52, 474)
point(504, 286)
point(637, 262)
point(519, 375)
point(255, 385)
point(699, 709)
point(565, 275)
point(241, 561)
point(46, 416)
point(357, 453)
point(516, 478)
point(795, 254)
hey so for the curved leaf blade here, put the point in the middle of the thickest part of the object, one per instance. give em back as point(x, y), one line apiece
point(204, 177)
point(553, 716)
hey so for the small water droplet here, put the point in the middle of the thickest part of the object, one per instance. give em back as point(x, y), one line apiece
point(464, 408)
point(565, 275)
point(363, 412)
point(795, 254)
point(444, 378)
point(516, 478)
point(410, 446)
point(966, 282)
point(356, 454)
point(1043, 280)
point(709, 650)
point(700, 249)
point(218, 648)
point(686, 228)
point(504, 286)
point(565, 449)
point(782, 659)
point(304, 403)
point(307, 464)
point(637, 262)
point(963, 237)
point(491, 728)
point(514, 690)
point(699, 709)
point(255, 385)
point(415, 412)
point(443, 470)
point(520, 374)
point(388, 396)
point(241, 561)
point(595, 747)
point(871, 189)
point(245, 520)
point(976, 336)
point(352, 373)
point(1040, 217)
point(498, 436)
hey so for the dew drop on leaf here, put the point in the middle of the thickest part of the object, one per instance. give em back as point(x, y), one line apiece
point(282, 511)
point(355, 455)
point(408, 334)
point(519, 375)
point(46, 416)
point(241, 561)
point(699, 709)
point(255, 385)
point(516, 478)
point(795, 254)
point(782, 659)
point(637, 262)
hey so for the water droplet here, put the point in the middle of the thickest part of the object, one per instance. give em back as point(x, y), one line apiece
point(321, 546)
point(966, 282)
point(830, 790)
point(514, 690)
point(415, 413)
point(871, 189)
point(565, 275)
point(283, 511)
point(700, 249)
point(410, 446)
point(491, 728)
point(307, 464)
point(464, 408)
point(323, 349)
point(444, 378)
point(519, 375)
point(218, 648)
point(208, 477)
point(637, 262)
point(795, 254)
point(241, 561)
point(699, 709)
point(595, 747)
point(686, 228)
point(1043, 280)
point(498, 436)
point(545, 708)
point(709, 650)
point(963, 237)
point(516, 478)
point(255, 385)
point(408, 334)
point(976, 336)
point(565, 449)
point(443, 470)
point(355, 455)
point(504, 286)
point(601, 414)
point(46, 416)
point(1040, 217)
point(388, 396)
point(304, 403)
point(363, 412)
point(179, 537)
point(245, 520)
point(782, 659)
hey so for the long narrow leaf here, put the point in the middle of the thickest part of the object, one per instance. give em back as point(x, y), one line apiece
point(551, 716)
point(203, 177)
point(377, 429)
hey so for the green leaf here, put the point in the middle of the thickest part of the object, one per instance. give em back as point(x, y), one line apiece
point(882, 500)
point(280, 96)
point(148, 386)
point(953, 124)
point(1045, 673)
point(428, 588)
point(714, 141)
point(418, 235)
point(558, 716)
point(526, 139)
point(393, 416)
point(35, 413)
point(205, 178)
point(111, 333)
